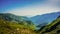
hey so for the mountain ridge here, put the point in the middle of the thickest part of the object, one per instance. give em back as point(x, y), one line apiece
point(45, 18)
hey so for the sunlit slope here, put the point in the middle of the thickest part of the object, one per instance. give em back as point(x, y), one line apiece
point(8, 25)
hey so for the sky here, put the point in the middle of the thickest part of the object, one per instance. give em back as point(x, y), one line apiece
point(29, 7)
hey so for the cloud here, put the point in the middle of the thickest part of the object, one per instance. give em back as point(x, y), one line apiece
point(32, 11)
point(36, 9)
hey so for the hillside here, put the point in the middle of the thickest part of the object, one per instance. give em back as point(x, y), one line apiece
point(52, 28)
point(9, 25)
point(12, 17)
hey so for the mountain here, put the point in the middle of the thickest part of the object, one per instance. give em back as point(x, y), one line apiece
point(45, 18)
point(17, 19)
point(52, 28)
point(12, 24)
point(12, 17)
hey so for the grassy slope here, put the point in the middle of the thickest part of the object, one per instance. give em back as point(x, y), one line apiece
point(7, 27)
point(11, 27)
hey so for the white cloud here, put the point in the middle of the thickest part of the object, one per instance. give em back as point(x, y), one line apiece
point(36, 9)
point(32, 11)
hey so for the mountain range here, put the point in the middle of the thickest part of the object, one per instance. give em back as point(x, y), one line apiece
point(47, 23)
point(37, 20)
point(45, 18)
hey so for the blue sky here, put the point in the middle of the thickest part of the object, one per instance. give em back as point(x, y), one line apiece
point(29, 7)
point(11, 4)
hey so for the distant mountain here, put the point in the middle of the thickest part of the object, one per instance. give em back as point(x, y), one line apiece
point(45, 18)
point(52, 28)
